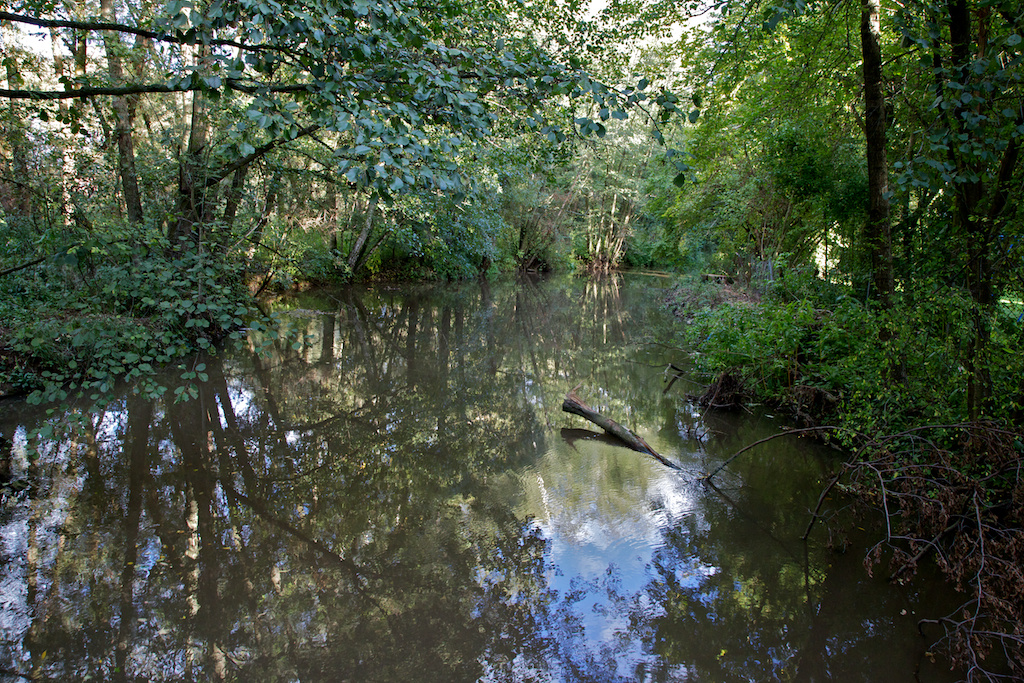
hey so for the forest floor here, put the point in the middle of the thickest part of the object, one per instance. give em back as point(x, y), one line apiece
point(685, 300)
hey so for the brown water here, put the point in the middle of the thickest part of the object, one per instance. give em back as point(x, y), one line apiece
point(392, 493)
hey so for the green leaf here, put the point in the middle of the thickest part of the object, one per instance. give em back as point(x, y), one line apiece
point(774, 20)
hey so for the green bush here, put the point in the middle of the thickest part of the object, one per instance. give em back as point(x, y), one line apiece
point(887, 370)
point(322, 267)
point(107, 311)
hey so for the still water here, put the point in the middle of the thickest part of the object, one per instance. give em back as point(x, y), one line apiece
point(391, 492)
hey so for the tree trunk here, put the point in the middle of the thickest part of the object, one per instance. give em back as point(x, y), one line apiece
point(355, 257)
point(67, 159)
point(877, 229)
point(977, 225)
point(234, 195)
point(17, 139)
point(256, 233)
point(331, 216)
point(124, 115)
point(194, 197)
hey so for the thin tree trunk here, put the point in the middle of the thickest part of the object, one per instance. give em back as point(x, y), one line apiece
point(331, 217)
point(256, 233)
point(124, 114)
point(194, 197)
point(234, 195)
point(16, 138)
point(67, 157)
point(355, 256)
point(877, 229)
point(976, 228)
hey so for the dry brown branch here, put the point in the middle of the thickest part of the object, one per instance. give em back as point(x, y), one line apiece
point(956, 490)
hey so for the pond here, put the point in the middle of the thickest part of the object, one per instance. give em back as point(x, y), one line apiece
point(389, 491)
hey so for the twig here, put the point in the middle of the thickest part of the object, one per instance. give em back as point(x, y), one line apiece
point(821, 501)
point(23, 266)
point(765, 440)
point(934, 543)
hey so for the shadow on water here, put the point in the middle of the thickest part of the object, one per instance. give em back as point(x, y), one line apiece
point(392, 493)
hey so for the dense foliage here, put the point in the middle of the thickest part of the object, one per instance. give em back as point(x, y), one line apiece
point(118, 318)
point(159, 158)
point(885, 246)
point(785, 183)
point(853, 164)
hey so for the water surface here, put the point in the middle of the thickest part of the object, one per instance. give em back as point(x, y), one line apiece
point(391, 492)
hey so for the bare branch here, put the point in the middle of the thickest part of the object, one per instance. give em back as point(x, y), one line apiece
point(177, 37)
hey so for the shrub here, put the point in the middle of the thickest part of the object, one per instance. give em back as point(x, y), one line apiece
point(117, 310)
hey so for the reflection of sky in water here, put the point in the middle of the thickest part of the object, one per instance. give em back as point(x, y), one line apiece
point(628, 540)
point(47, 526)
point(604, 510)
point(14, 615)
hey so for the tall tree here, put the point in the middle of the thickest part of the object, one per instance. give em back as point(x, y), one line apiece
point(878, 230)
point(124, 115)
point(392, 90)
point(973, 124)
point(16, 136)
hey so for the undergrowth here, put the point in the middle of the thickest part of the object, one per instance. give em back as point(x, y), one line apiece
point(890, 385)
point(110, 310)
point(882, 370)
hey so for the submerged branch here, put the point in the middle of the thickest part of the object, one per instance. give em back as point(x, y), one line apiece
point(788, 432)
point(821, 501)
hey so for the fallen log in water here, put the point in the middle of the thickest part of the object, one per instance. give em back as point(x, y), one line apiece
point(575, 405)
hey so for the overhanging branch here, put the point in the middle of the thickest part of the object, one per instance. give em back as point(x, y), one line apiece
point(145, 88)
point(177, 38)
point(259, 152)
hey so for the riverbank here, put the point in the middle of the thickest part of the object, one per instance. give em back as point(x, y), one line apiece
point(889, 386)
point(75, 332)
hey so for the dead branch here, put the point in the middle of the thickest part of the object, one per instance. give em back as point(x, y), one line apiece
point(957, 490)
point(766, 440)
point(575, 405)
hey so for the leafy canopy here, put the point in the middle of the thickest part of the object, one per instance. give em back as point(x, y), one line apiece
point(402, 85)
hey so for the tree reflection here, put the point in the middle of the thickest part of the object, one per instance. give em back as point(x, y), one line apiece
point(733, 595)
point(321, 512)
point(349, 503)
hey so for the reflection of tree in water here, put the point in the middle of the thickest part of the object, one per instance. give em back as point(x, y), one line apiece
point(351, 506)
point(733, 596)
point(328, 511)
